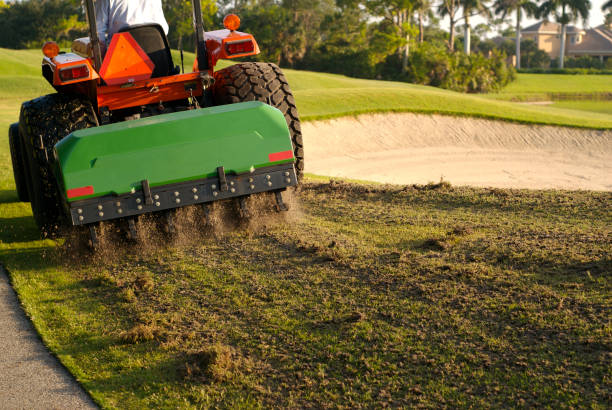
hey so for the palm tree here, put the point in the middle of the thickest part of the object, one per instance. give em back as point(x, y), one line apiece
point(471, 8)
point(504, 7)
point(565, 11)
point(423, 9)
point(398, 12)
point(450, 8)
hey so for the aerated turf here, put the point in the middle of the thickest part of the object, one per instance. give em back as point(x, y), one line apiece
point(368, 296)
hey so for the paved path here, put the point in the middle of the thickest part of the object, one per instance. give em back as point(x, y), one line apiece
point(30, 377)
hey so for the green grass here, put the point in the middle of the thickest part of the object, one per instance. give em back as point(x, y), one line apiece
point(602, 106)
point(368, 296)
point(372, 296)
point(541, 87)
point(327, 95)
point(559, 83)
point(320, 96)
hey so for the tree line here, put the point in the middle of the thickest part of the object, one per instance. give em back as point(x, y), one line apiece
point(386, 39)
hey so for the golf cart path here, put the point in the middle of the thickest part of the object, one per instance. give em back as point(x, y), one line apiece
point(30, 377)
point(408, 148)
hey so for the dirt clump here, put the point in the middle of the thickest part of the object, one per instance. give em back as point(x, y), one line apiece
point(434, 244)
point(138, 333)
point(144, 282)
point(215, 363)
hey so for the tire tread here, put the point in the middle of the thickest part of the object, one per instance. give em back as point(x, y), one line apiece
point(42, 123)
point(263, 82)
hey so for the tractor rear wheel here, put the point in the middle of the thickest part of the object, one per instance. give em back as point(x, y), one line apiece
point(263, 82)
point(42, 123)
point(19, 172)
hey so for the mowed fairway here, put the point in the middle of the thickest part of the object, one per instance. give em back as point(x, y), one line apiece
point(532, 86)
point(602, 106)
point(362, 296)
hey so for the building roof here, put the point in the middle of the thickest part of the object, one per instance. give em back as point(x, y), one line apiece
point(607, 30)
point(550, 27)
point(597, 40)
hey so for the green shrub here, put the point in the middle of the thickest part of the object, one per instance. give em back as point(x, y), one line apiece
point(584, 62)
point(433, 65)
point(531, 55)
point(354, 63)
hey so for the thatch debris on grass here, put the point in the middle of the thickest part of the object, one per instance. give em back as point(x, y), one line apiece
point(434, 244)
point(215, 363)
point(144, 282)
point(129, 295)
point(138, 333)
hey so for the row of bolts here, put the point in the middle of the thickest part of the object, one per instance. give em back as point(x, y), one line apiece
point(176, 194)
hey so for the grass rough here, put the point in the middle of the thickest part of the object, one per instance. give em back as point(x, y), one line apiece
point(376, 295)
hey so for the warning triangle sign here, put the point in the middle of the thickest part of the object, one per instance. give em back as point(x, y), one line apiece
point(125, 61)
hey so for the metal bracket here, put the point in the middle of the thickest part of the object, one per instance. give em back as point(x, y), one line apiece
point(104, 116)
point(146, 190)
point(280, 205)
point(222, 180)
point(244, 210)
point(93, 235)
point(207, 80)
point(206, 208)
point(132, 229)
point(170, 227)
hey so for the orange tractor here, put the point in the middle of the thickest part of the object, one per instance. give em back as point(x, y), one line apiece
point(127, 133)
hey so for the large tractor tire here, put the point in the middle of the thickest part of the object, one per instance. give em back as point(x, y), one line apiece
point(263, 82)
point(19, 171)
point(42, 123)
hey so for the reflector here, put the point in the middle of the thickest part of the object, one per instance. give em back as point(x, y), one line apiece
point(125, 61)
point(82, 191)
point(239, 47)
point(279, 156)
point(50, 49)
point(231, 22)
point(74, 73)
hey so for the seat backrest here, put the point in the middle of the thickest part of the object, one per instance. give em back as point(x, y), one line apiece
point(152, 39)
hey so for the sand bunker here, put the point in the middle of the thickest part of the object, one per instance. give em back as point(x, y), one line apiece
point(414, 148)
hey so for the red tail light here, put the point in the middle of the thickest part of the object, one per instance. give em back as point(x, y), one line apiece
point(239, 47)
point(82, 191)
point(279, 156)
point(74, 73)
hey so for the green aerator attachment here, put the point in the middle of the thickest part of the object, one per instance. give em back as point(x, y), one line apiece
point(115, 159)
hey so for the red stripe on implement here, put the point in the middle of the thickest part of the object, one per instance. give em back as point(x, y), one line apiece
point(85, 190)
point(279, 156)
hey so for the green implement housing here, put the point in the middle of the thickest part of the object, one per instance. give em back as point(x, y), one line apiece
point(171, 148)
point(172, 160)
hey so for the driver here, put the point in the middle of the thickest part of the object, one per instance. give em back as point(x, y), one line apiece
point(113, 15)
